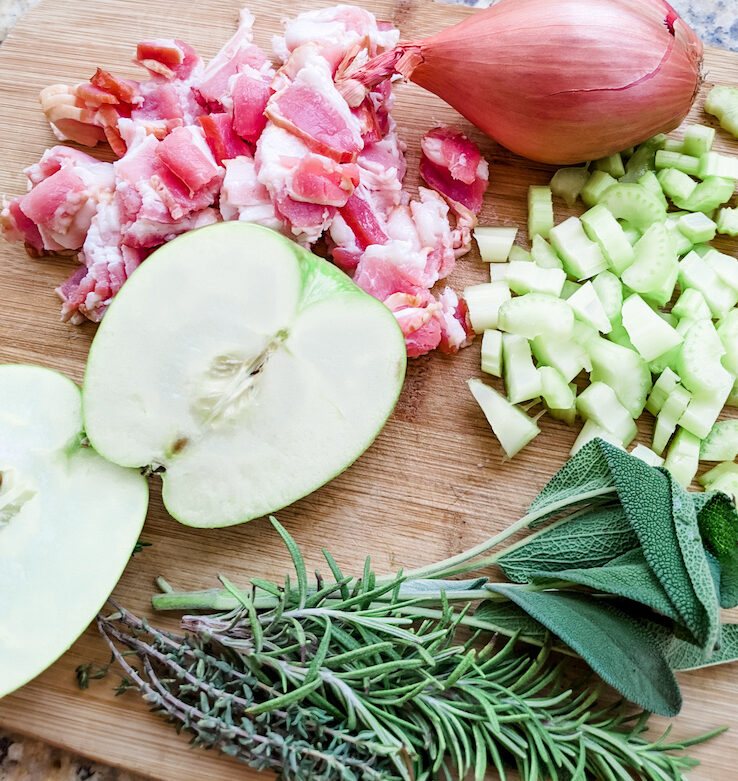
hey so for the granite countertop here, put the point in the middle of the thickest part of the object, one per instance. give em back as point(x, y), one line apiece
point(23, 759)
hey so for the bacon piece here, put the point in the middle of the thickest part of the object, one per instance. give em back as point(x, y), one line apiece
point(16, 226)
point(125, 90)
point(456, 328)
point(182, 153)
point(237, 54)
point(94, 96)
point(359, 216)
point(221, 138)
point(251, 94)
point(417, 316)
point(69, 121)
point(150, 233)
point(243, 197)
point(168, 58)
point(316, 179)
point(453, 166)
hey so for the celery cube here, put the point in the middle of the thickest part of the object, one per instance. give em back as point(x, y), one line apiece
point(492, 352)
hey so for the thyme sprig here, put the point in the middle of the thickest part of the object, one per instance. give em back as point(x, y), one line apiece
point(351, 680)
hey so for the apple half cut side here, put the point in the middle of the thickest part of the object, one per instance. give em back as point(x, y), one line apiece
point(68, 522)
point(242, 368)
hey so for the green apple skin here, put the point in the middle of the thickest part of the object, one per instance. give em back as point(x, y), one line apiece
point(68, 522)
point(244, 369)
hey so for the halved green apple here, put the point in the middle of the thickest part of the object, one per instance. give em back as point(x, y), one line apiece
point(244, 369)
point(68, 522)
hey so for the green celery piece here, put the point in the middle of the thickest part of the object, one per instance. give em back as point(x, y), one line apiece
point(540, 211)
point(727, 221)
point(722, 102)
point(623, 370)
point(684, 163)
point(655, 262)
point(627, 576)
point(596, 185)
point(643, 159)
point(697, 227)
point(715, 164)
point(663, 386)
point(650, 181)
point(698, 140)
point(612, 165)
point(610, 292)
point(634, 203)
point(543, 254)
point(609, 640)
point(692, 305)
point(676, 184)
point(589, 540)
point(567, 183)
point(519, 254)
point(710, 193)
point(721, 444)
point(728, 332)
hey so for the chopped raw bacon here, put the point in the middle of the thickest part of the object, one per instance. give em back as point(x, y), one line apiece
point(183, 154)
point(320, 180)
point(250, 94)
point(453, 166)
point(234, 140)
point(221, 138)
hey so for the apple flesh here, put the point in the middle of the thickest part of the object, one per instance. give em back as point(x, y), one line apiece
point(242, 368)
point(68, 522)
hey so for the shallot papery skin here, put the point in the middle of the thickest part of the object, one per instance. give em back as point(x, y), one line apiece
point(557, 81)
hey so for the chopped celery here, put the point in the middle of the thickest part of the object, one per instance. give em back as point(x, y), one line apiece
point(612, 165)
point(725, 266)
point(522, 380)
point(610, 292)
point(669, 415)
point(674, 145)
point(663, 386)
point(682, 245)
point(520, 255)
point(523, 277)
point(535, 314)
point(684, 163)
point(643, 159)
point(715, 164)
point(695, 273)
point(650, 181)
point(727, 221)
point(699, 360)
point(704, 409)
point(543, 254)
point(732, 400)
point(683, 457)
point(596, 185)
point(655, 260)
point(567, 183)
point(623, 370)
point(692, 305)
point(698, 140)
point(722, 102)
point(492, 352)
point(600, 225)
point(723, 477)
point(631, 233)
point(582, 258)
point(721, 444)
point(591, 430)
point(651, 335)
point(568, 415)
point(540, 211)
point(569, 289)
point(661, 295)
point(647, 455)
point(677, 185)
point(495, 243)
point(568, 357)
point(599, 403)
point(484, 302)
point(728, 332)
point(619, 335)
point(697, 227)
point(512, 427)
point(670, 359)
point(588, 308)
point(555, 389)
point(711, 192)
point(634, 203)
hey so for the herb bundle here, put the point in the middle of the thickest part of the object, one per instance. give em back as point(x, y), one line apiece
point(388, 677)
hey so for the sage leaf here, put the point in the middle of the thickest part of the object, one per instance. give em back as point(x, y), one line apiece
point(627, 576)
point(706, 626)
point(583, 475)
point(729, 581)
point(432, 588)
point(507, 618)
point(683, 654)
point(615, 645)
point(588, 540)
point(718, 521)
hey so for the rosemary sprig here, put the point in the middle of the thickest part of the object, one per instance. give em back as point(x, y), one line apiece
point(336, 684)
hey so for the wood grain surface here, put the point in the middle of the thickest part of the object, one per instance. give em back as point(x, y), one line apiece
point(432, 484)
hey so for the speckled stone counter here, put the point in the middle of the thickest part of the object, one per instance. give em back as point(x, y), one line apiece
point(23, 759)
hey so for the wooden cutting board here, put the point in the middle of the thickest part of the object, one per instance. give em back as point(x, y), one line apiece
point(434, 482)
